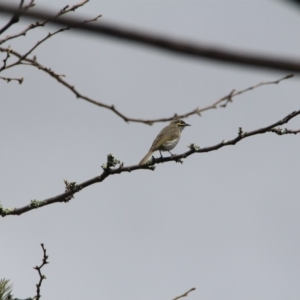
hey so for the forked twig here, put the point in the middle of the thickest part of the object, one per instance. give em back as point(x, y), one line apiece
point(63, 11)
point(9, 79)
point(49, 35)
point(42, 277)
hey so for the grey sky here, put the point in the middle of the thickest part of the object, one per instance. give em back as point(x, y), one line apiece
point(225, 222)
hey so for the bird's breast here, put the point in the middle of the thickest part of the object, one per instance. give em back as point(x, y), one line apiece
point(169, 145)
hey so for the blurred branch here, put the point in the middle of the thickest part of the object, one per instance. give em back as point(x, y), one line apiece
point(185, 294)
point(14, 19)
point(166, 43)
point(222, 102)
point(296, 2)
point(110, 168)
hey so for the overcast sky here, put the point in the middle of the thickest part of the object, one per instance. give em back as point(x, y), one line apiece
point(226, 222)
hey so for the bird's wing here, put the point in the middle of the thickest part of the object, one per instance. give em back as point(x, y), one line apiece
point(163, 137)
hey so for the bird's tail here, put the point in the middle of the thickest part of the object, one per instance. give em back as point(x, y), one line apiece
point(144, 160)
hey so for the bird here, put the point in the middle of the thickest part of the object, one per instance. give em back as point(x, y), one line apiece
point(166, 140)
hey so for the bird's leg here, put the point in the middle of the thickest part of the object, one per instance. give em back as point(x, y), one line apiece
point(160, 154)
point(171, 153)
point(177, 160)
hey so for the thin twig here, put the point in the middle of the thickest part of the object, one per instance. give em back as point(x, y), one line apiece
point(185, 294)
point(9, 79)
point(42, 277)
point(63, 11)
point(49, 35)
point(7, 50)
point(73, 188)
point(233, 94)
point(192, 49)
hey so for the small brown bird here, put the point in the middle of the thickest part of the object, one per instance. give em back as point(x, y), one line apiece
point(166, 140)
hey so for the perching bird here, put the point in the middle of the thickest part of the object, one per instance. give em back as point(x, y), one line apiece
point(167, 139)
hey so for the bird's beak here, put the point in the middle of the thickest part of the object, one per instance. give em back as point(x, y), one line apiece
point(187, 124)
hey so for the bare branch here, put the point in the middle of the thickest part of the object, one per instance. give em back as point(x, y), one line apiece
point(63, 11)
point(166, 43)
point(110, 169)
point(42, 277)
point(198, 111)
point(185, 294)
point(231, 95)
point(49, 35)
point(9, 79)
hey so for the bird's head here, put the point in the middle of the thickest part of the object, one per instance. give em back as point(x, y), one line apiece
point(179, 123)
